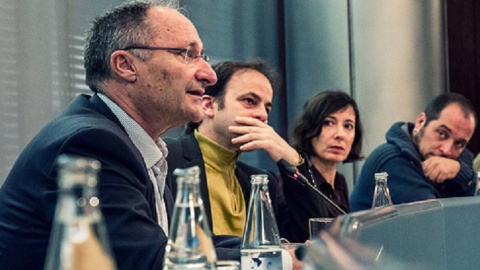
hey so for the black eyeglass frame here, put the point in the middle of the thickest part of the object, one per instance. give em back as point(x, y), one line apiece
point(180, 50)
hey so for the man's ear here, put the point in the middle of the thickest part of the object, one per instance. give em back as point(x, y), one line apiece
point(208, 105)
point(122, 65)
point(420, 121)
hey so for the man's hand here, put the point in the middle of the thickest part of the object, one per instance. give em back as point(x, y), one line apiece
point(254, 134)
point(439, 169)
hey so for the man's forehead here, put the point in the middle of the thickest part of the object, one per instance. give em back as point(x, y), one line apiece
point(454, 112)
point(265, 96)
point(454, 118)
point(172, 25)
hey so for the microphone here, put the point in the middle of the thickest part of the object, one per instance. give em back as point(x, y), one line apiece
point(297, 176)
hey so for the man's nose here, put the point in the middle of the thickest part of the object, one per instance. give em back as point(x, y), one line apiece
point(447, 148)
point(206, 74)
point(261, 114)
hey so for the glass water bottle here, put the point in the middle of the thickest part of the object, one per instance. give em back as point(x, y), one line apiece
point(261, 248)
point(381, 196)
point(477, 190)
point(78, 239)
point(190, 244)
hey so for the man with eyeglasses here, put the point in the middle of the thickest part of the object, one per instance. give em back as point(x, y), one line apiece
point(146, 67)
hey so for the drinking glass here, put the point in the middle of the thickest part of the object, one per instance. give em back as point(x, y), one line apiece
point(315, 225)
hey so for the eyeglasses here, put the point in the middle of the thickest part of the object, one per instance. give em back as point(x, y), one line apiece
point(191, 54)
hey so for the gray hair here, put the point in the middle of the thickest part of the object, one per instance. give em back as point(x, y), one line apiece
point(123, 26)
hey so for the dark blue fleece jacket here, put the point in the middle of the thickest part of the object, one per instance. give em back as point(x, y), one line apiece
point(400, 158)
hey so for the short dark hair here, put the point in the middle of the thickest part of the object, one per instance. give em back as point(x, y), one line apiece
point(436, 106)
point(118, 28)
point(225, 71)
point(315, 111)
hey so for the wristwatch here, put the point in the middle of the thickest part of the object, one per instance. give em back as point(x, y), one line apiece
point(301, 160)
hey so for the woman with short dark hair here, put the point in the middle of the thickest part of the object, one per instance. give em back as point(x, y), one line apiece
point(327, 133)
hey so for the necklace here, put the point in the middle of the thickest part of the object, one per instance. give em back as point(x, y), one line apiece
point(312, 177)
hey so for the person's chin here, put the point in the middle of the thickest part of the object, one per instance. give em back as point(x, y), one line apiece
point(337, 156)
point(197, 116)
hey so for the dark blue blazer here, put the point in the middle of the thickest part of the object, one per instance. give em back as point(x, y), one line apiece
point(28, 197)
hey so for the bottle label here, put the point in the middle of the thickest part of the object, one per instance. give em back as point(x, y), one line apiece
point(261, 260)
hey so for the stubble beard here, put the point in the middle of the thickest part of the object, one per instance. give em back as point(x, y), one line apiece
point(416, 138)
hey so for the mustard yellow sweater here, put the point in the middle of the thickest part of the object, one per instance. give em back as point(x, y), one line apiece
point(226, 196)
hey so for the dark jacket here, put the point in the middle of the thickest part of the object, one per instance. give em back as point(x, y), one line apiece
point(185, 152)
point(406, 181)
point(28, 197)
point(305, 203)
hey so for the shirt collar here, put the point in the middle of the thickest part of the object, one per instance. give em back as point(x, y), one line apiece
point(151, 152)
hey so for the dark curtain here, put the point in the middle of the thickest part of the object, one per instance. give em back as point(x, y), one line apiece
point(463, 20)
